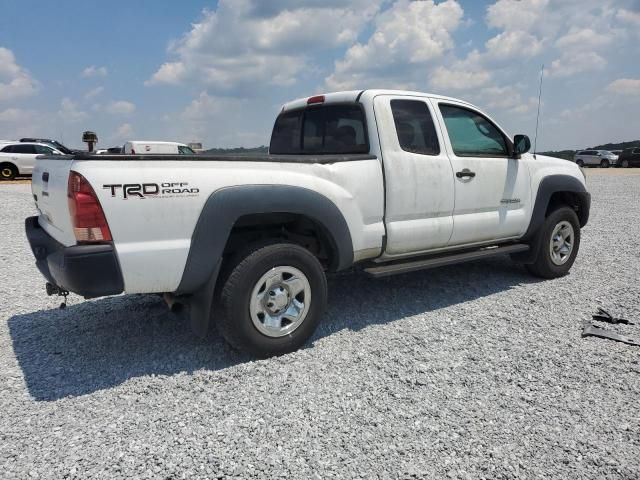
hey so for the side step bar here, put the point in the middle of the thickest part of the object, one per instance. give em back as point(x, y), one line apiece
point(440, 260)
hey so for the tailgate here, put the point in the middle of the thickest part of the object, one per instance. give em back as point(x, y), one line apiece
point(49, 187)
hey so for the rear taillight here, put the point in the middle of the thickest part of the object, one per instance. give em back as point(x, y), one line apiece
point(87, 217)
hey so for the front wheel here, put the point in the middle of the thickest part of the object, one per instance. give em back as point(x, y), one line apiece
point(8, 171)
point(557, 245)
point(272, 300)
point(580, 163)
point(604, 163)
point(625, 164)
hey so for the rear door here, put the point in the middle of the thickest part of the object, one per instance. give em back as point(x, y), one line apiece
point(24, 156)
point(492, 190)
point(418, 175)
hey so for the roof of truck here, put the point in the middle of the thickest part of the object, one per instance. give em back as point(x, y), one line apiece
point(355, 95)
point(156, 142)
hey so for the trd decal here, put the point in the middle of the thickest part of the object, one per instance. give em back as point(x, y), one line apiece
point(152, 190)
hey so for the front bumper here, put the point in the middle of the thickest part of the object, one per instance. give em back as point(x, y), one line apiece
point(88, 270)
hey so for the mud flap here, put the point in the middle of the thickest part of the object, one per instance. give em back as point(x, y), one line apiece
point(201, 304)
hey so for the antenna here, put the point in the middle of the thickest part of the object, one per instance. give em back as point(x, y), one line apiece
point(535, 139)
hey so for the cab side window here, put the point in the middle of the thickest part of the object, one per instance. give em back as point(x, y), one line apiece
point(414, 127)
point(29, 149)
point(42, 150)
point(471, 134)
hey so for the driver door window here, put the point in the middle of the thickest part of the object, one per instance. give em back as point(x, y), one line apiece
point(471, 134)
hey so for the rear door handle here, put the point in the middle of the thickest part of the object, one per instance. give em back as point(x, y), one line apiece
point(465, 173)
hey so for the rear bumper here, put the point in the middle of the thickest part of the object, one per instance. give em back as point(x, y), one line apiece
point(88, 270)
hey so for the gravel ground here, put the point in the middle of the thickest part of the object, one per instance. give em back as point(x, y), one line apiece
point(471, 371)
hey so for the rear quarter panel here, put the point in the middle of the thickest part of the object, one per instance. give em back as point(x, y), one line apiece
point(152, 235)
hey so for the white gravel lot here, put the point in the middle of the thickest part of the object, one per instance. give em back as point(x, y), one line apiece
point(472, 371)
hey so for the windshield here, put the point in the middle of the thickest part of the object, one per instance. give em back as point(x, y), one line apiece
point(183, 150)
point(60, 147)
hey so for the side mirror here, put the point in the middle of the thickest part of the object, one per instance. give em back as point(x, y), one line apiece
point(521, 144)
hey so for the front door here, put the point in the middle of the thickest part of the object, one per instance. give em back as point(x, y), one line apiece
point(418, 177)
point(492, 191)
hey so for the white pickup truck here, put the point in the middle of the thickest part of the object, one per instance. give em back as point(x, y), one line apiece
point(392, 181)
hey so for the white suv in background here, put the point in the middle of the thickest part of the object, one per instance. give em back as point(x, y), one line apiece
point(19, 158)
point(602, 158)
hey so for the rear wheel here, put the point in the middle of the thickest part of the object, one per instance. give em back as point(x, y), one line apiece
point(580, 163)
point(604, 163)
point(558, 244)
point(625, 164)
point(272, 299)
point(8, 171)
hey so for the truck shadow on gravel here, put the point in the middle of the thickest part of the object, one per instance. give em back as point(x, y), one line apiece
point(96, 345)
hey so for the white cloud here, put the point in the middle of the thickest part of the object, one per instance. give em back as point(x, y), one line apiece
point(407, 34)
point(628, 16)
point(514, 44)
point(571, 64)
point(515, 14)
point(93, 71)
point(94, 92)
point(18, 122)
point(507, 99)
point(444, 78)
point(583, 38)
point(625, 86)
point(70, 112)
point(123, 133)
point(120, 107)
point(15, 81)
point(247, 44)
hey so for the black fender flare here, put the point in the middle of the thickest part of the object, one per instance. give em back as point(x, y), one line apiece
point(217, 218)
point(548, 186)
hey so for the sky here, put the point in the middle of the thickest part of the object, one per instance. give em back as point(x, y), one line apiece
point(218, 72)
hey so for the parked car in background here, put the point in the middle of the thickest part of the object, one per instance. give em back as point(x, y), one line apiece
point(109, 151)
point(142, 147)
point(18, 158)
point(630, 157)
point(54, 143)
point(602, 158)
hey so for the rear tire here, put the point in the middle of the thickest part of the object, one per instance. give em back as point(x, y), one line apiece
point(604, 163)
point(625, 164)
point(272, 299)
point(558, 244)
point(8, 171)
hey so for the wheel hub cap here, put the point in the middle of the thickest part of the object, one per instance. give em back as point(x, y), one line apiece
point(6, 172)
point(561, 244)
point(280, 301)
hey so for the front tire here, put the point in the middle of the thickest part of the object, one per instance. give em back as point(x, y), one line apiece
point(558, 244)
point(580, 163)
point(8, 171)
point(625, 164)
point(272, 300)
point(604, 163)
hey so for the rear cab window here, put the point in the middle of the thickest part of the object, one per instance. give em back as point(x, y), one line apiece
point(324, 129)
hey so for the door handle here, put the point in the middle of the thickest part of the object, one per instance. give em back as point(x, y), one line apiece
point(465, 173)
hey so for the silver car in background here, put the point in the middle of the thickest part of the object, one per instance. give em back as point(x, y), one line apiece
point(601, 158)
